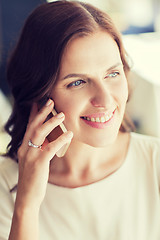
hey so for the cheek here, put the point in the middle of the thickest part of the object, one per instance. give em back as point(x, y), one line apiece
point(126, 91)
point(70, 102)
point(72, 115)
point(123, 90)
point(70, 106)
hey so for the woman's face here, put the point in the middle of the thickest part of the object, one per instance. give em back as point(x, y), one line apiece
point(92, 89)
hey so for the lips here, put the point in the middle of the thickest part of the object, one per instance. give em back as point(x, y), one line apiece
point(98, 120)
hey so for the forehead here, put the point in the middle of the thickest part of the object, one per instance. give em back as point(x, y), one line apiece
point(84, 53)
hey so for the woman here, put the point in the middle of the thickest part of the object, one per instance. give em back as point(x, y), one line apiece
point(70, 57)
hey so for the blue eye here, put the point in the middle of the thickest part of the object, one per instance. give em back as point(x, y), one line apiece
point(112, 75)
point(75, 84)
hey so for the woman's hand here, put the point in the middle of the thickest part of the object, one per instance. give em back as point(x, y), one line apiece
point(34, 171)
point(34, 162)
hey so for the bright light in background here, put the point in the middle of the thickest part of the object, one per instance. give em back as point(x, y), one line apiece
point(51, 0)
point(139, 13)
point(126, 13)
point(100, 4)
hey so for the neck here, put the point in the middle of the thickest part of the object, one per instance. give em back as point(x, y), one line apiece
point(84, 163)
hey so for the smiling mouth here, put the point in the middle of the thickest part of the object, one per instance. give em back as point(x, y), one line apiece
point(102, 119)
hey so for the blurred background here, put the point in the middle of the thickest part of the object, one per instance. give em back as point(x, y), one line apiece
point(139, 23)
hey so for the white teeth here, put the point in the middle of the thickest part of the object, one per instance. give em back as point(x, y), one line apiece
point(93, 120)
point(107, 118)
point(101, 119)
point(98, 119)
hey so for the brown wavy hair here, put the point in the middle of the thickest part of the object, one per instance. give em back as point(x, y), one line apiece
point(34, 64)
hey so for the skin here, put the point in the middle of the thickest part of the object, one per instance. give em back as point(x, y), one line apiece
point(93, 63)
point(93, 153)
point(91, 56)
point(34, 172)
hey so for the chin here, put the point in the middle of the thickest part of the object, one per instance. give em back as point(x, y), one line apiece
point(101, 142)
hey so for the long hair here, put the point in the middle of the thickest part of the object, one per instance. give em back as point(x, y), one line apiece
point(34, 64)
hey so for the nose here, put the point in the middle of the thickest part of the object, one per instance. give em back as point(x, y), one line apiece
point(101, 96)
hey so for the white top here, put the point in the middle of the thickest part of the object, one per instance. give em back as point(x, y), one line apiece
point(123, 206)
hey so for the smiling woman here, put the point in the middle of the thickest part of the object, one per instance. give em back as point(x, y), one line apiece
point(70, 67)
point(97, 83)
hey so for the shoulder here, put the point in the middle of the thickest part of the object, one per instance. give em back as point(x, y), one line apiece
point(146, 143)
point(146, 151)
point(8, 179)
point(8, 173)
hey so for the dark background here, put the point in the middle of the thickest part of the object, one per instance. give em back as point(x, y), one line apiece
point(12, 16)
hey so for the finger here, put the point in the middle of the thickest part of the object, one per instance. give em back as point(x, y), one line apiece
point(36, 118)
point(41, 116)
point(22, 148)
point(53, 147)
point(45, 143)
point(40, 133)
point(43, 113)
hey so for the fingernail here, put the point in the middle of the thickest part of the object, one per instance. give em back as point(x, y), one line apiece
point(60, 115)
point(48, 102)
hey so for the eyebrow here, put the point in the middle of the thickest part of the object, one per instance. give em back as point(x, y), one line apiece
point(73, 75)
